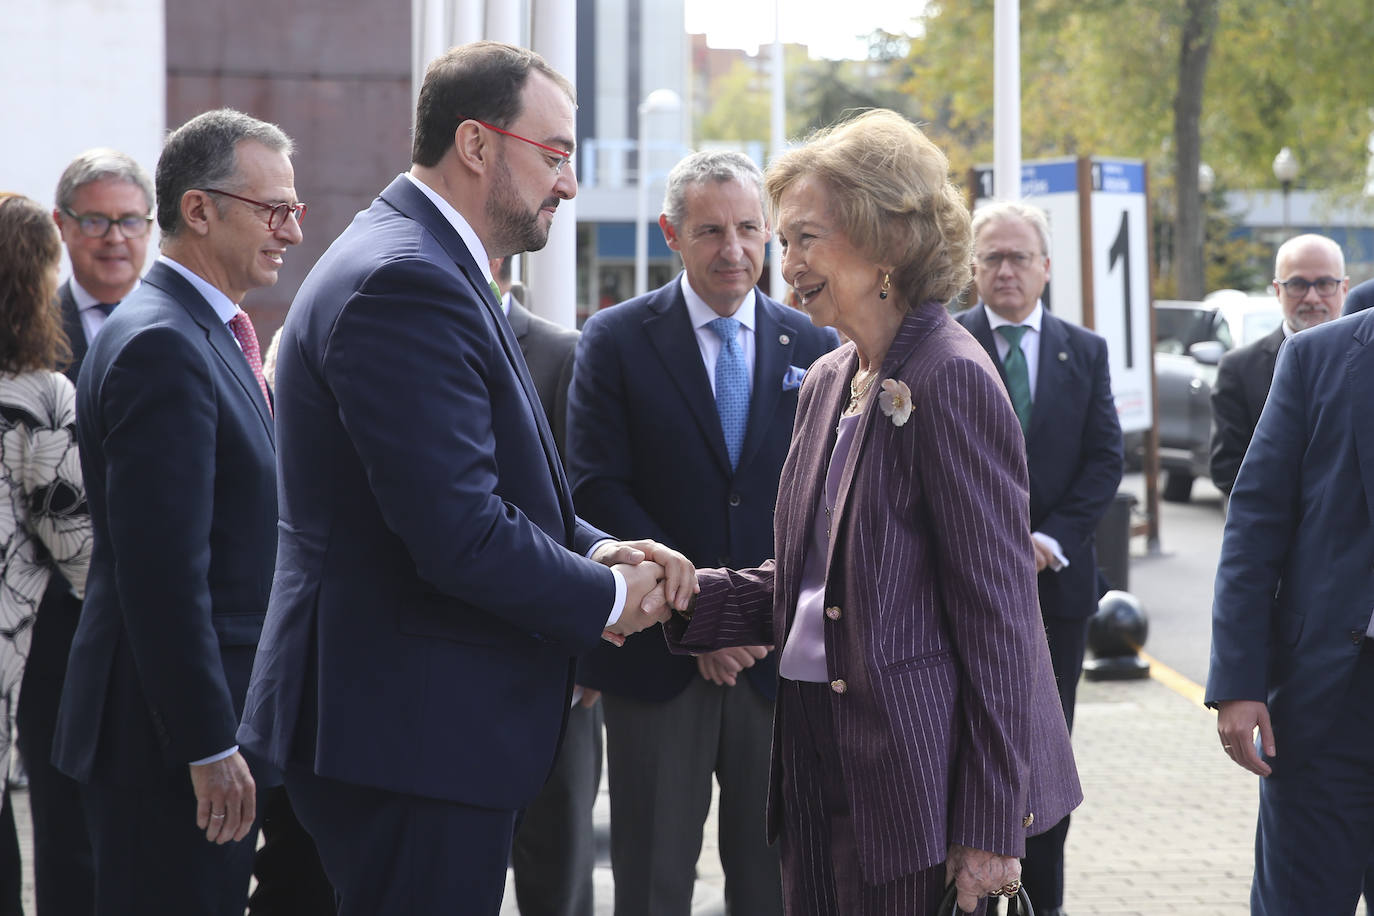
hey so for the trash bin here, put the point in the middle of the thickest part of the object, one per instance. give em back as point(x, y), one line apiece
point(1114, 542)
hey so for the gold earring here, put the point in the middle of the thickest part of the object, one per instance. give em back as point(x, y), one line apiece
point(887, 285)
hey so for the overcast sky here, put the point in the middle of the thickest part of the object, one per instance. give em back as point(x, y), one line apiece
point(830, 27)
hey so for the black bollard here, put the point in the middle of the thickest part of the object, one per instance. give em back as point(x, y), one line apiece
point(1116, 634)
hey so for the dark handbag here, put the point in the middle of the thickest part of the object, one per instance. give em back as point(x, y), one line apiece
point(1019, 905)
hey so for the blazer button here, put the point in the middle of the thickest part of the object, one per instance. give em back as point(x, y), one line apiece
point(838, 685)
point(734, 500)
point(1028, 820)
point(832, 612)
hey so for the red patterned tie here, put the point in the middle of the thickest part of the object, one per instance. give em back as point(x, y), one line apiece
point(248, 342)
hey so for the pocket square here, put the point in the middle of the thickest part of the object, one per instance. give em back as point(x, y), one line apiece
point(792, 378)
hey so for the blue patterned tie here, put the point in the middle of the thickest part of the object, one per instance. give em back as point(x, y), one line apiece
point(732, 387)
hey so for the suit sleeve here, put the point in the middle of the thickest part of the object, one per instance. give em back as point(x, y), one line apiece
point(968, 450)
point(159, 411)
point(1073, 520)
point(409, 361)
point(1260, 520)
point(1230, 424)
point(600, 453)
point(734, 608)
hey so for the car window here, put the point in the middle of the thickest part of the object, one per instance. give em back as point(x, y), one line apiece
point(1257, 324)
point(1222, 332)
point(1176, 329)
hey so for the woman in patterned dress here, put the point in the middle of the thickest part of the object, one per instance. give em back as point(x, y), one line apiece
point(44, 525)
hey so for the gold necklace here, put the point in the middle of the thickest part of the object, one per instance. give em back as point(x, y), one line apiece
point(857, 392)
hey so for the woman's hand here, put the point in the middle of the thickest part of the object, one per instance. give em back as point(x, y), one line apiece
point(977, 873)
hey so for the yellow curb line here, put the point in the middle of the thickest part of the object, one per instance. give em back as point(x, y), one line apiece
point(1176, 682)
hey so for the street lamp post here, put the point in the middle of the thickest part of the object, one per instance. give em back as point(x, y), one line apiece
point(1286, 171)
point(660, 100)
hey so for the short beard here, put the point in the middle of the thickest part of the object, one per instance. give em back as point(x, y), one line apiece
point(513, 231)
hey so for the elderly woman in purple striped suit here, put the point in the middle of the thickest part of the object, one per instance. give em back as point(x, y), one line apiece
point(918, 737)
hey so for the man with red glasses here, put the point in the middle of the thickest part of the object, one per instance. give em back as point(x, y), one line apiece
point(433, 582)
point(176, 439)
point(1310, 281)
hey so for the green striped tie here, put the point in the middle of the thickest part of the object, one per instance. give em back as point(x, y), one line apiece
point(1018, 374)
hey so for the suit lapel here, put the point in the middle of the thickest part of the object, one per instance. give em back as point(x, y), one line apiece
point(71, 323)
point(221, 339)
point(1360, 372)
point(671, 334)
point(915, 328)
point(410, 200)
point(1052, 374)
point(977, 325)
point(773, 346)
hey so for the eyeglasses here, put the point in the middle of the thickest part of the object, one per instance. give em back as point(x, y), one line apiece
point(1297, 287)
point(97, 225)
point(277, 213)
point(557, 161)
point(1019, 259)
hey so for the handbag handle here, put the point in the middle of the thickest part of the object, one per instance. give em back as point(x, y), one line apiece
point(1019, 905)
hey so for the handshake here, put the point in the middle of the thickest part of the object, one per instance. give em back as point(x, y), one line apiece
point(658, 580)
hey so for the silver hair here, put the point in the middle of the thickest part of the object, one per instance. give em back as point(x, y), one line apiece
point(203, 153)
point(1001, 210)
point(102, 163)
point(703, 166)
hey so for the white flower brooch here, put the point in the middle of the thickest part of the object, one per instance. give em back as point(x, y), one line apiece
point(895, 401)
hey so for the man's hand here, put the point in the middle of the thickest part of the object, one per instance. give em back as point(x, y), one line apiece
point(1236, 724)
point(680, 575)
point(644, 601)
point(1044, 559)
point(721, 666)
point(977, 873)
point(226, 798)
point(588, 698)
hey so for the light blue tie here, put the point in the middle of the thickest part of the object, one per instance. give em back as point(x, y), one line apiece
point(732, 387)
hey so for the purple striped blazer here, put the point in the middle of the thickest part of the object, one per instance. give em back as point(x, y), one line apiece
point(942, 693)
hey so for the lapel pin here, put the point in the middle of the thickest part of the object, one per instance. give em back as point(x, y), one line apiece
point(1063, 357)
point(784, 339)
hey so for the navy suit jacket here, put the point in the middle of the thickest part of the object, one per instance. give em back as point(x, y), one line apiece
point(647, 457)
point(1359, 298)
point(943, 699)
point(177, 452)
point(1294, 582)
point(76, 333)
point(1073, 453)
point(430, 591)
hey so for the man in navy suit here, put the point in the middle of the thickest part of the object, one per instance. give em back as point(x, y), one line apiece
point(1291, 649)
point(433, 583)
point(1360, 298)
point(104, 211)
point(1060, 385)
point(644, 402)
point(1310, 283)
point(175, 431)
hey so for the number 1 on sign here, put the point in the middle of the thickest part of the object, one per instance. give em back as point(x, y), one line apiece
point(1121, 251)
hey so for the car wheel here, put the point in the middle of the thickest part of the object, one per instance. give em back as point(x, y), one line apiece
point(1178, 487)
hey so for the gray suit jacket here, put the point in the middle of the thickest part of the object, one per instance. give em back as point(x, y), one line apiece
point(76, 333)
point(549, 350)
point(1238, 396)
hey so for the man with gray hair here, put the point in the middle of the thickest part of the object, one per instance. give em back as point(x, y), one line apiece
point(177, 445)
point(1310, 282)
point(696, 383)
point(104, 206)
point(1060, 385)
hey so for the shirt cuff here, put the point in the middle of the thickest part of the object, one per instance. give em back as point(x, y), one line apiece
point(1060, 561)
point(216, 758)
point(618, 608)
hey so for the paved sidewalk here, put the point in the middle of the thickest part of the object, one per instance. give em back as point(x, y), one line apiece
point(1166, 827)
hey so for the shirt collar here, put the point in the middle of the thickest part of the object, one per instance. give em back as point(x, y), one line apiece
point(84, 300)
point(460, 225)
point(1032, 321)
point(702, 314)
point(225, 309)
